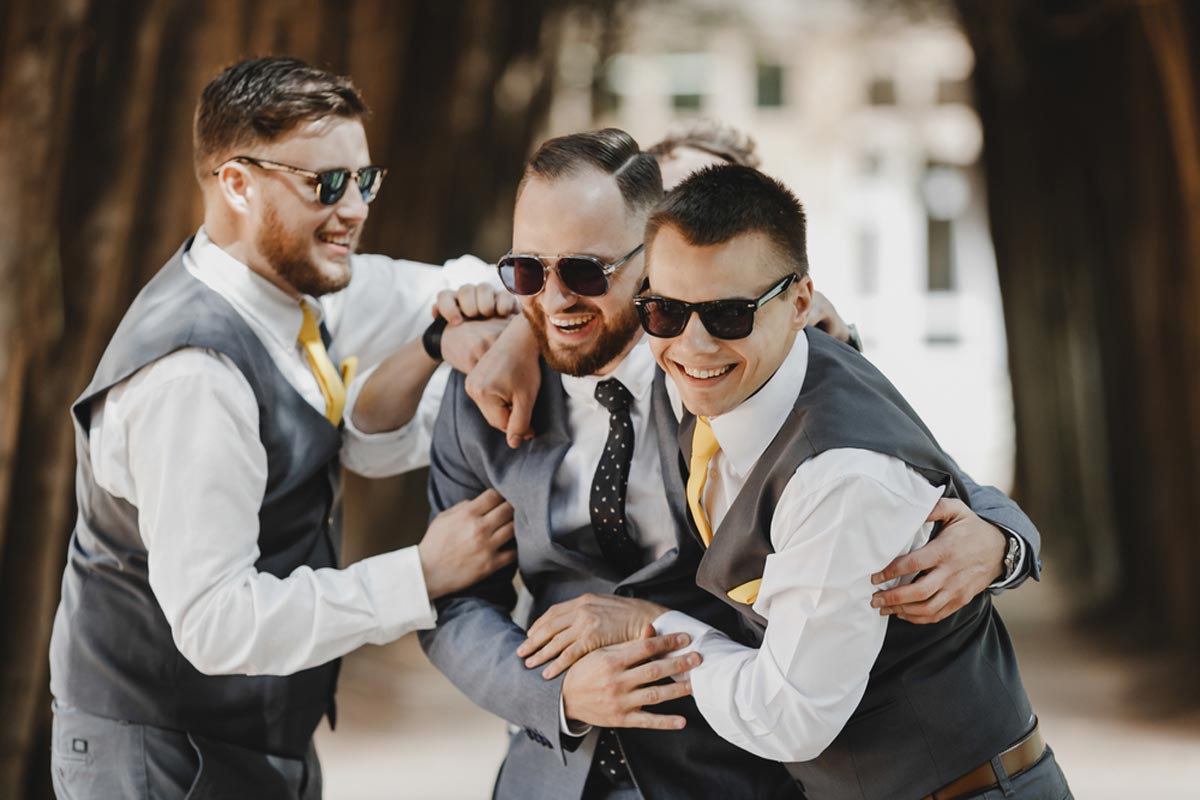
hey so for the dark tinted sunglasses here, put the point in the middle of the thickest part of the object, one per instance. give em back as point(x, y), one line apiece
point(330, 184)
point(587, 276)
point(724, 319)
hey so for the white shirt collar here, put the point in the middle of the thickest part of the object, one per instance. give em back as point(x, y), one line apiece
point(745, 432)
point(636, 372)
point(253, 295)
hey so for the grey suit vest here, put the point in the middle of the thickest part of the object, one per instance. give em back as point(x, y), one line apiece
point(111, 652)
point(941, 699)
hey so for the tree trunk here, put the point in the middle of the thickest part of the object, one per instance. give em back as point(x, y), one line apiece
point(1091, 137)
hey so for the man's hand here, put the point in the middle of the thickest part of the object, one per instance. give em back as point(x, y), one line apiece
point(962, 561)
point(609, 686)
point(466, 543)
point(505, 382)
point(464, 345)
point(575, 628)
point(822, 314)
point(473, 301)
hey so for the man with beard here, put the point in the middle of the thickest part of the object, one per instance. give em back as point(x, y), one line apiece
point(596, 528)
point(195, 647)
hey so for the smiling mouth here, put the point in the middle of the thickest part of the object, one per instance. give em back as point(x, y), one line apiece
point(340, 239)
point(704, 374)
point(573, 324)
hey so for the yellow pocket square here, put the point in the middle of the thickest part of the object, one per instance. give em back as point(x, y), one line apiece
point(746, 593)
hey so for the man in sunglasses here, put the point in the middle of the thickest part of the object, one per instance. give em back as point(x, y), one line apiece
point(806, 469)
point(601, 527)
point(195, 647)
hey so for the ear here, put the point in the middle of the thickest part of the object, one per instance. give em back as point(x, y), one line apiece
point(802, 294)
point(236, 187)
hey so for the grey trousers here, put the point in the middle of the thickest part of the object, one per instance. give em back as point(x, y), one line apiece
point(93, 758)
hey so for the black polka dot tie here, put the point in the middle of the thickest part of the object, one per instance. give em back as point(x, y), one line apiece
point(612, 479)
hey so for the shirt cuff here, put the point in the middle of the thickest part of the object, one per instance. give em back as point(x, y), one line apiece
point(396, 584)
point(678, 622)
point(1020, 566)
point(578, 729)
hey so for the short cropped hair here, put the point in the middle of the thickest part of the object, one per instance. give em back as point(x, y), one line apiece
point(719, 203)
point(723, 141)
point(262, 99)
point(613, 152)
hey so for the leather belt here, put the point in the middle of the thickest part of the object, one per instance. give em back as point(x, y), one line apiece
point(1016, 759)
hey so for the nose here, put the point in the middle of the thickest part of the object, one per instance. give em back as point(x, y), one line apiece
point(554, 296)
point(351, 208)
point(695, 338)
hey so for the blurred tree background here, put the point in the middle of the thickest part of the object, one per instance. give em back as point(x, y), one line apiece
point(96, 102)
point(1091, 118)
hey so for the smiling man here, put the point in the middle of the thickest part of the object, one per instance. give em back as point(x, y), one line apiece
point(806, 470)
point(195, 647)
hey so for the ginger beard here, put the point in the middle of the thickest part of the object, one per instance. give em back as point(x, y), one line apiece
point(291, 255)
point(610, 340)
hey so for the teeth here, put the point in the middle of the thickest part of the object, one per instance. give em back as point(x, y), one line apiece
point(570, 325)
point(342, 240)
point(704, 374)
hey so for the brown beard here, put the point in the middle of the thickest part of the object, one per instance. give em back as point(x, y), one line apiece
point(291, 258)
point(611, 340)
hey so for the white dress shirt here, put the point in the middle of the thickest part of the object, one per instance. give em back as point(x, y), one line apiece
point(843, 515)
point(179, 440)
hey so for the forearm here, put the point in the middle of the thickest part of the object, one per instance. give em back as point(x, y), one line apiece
point(389, 398)
point(741, 696)
point(254, 623)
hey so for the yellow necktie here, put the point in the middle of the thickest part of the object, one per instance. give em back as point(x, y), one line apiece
point(704, 447)
point(333, 384)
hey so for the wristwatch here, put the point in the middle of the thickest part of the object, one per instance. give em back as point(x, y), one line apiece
point(431, 340)
point(1010, 557)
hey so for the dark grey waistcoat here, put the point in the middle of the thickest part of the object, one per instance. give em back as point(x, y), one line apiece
point(111, 652)
point(941, 699)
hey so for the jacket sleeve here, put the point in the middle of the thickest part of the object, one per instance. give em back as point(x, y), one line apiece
point(997, 508)
point(475, 641)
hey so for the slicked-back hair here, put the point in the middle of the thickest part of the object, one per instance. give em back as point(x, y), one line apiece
point(613, 152)
point(721, 202)
point(262, 99)
point(716, 138)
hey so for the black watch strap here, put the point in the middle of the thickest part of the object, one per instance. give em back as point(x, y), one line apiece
point(431, 340)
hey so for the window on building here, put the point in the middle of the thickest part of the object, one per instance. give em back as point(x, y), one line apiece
point(770, 85)
point(941, 256)
point(867, 262)
point(881, 92)
point(956, 91)
point(687, 102)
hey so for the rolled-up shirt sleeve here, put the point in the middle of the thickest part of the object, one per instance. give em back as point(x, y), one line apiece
point(388, 304)
point(788, 699)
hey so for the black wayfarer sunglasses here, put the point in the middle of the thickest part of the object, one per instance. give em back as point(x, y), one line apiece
point(724, 319)
point(330, 183)
point(587, 276)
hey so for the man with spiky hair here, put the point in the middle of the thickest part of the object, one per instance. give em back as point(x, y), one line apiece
point(196, 644)
point(806, 470)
